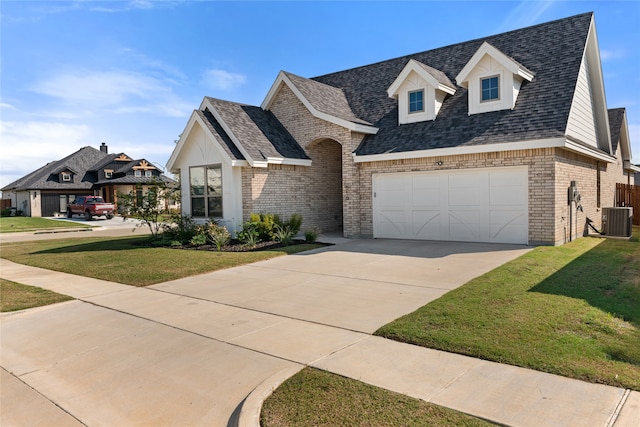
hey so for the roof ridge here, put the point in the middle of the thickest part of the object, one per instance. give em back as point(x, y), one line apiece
point(479, 39)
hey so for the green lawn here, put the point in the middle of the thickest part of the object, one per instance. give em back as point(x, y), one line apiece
point(16, 296)
point(572, 310)
point(321, 399)
point(130, 260)
point(15, 224)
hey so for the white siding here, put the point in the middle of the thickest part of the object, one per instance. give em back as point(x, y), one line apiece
point(201, 149)
point(582, 124)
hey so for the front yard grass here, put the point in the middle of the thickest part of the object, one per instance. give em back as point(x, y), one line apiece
point(572, 310)
point(131, 260)
point(317, 398)
point(16, 296)
point(14, 224)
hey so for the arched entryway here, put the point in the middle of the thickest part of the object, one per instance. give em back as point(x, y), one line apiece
point(326, 196)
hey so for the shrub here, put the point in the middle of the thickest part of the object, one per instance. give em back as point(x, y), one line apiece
point(284, 234)
point(312, 235)
point(19, 212)
point(218, 235)
point(198, 240)
point(180, 228)
point(249, 234)
point(5, 212)
point(294, 223)
point(265, 225)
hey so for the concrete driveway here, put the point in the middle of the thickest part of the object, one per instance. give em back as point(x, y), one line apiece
point(187, 352)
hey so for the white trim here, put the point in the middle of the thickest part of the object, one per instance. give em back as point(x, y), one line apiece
point(195, 118)
point(477, 149)
point(504, 60)
point(227, 129)
point(239, 163)
point(288, 161)
point(283, 79)
point(414, 65)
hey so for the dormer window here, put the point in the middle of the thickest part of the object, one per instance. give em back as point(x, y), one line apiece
point(66, 176)
point(138, 174)
point(416, 101)
point(420, 91)
point(108, 174)
point(493, 80)
point(148, 174)
point(490, 88)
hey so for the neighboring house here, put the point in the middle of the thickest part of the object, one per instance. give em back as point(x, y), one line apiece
point(88, 171)
point(478, 141)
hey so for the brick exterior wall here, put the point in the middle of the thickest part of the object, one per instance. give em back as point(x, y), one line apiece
point(314, 192)
point(308, 190)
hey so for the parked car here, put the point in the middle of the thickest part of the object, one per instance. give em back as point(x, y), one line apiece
point(90, 206)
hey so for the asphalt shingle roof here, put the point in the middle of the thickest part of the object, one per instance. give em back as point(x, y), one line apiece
point(261, 134)
point(553, 51)
point(215, 128)
point(46, 177)
point(324, 98)
point(615, 126)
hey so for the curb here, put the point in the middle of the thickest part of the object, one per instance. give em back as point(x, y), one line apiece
point(249, 415)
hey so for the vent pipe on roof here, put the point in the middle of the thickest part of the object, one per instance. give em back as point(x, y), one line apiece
point(104, 148)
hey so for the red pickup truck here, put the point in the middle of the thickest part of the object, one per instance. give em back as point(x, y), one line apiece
point(90, 206)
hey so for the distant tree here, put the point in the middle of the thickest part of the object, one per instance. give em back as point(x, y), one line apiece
point(151, 206)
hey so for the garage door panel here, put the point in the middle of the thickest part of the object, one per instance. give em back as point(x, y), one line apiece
point(393, 223)
point(464, 224)
point(426, 224)
point(483, 205)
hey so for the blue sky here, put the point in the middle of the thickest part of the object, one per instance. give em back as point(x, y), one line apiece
point(129, 73)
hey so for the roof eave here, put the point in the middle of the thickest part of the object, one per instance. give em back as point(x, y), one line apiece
point(559, 142)
point(284, 79)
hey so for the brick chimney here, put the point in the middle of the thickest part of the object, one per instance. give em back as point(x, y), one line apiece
point(104, 148)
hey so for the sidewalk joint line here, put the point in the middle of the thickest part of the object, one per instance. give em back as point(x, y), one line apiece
point(346, 277)
point(618, 409)
point(43, 396)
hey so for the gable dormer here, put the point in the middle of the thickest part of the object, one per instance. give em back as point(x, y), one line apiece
point(420, 91)
point(492, 79)
point(64, 175)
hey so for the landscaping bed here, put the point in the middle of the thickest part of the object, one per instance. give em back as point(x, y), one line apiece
point(237, 246)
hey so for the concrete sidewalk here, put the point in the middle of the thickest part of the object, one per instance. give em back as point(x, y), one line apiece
point(188, 352)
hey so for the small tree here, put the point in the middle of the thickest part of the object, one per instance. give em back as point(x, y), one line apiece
point(150, 207)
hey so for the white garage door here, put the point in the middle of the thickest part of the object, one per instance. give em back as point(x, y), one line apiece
point(474, 205)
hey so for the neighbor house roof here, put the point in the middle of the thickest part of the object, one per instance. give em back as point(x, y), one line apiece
point(46, 177)
point(553, 51)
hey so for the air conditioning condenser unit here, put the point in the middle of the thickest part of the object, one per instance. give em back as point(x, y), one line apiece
point(617, 221)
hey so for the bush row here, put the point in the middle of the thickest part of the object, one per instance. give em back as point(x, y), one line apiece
point(182, 230)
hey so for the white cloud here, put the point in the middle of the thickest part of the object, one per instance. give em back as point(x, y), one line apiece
point(608, 54)
point(525, 14)
point(222, 80)
point(29, 145)
point(85, 92)
point(7, 106)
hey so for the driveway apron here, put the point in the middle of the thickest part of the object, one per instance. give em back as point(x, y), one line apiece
point(187, 352)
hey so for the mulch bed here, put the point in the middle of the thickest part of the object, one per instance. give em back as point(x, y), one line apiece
point(236, 246)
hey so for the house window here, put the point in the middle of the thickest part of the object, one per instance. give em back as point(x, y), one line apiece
point(66, 177)
point(148, 174)
point(490, 88)
point(138, 174)
point(108, 174)
point(206, 191)
point(416, 101)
